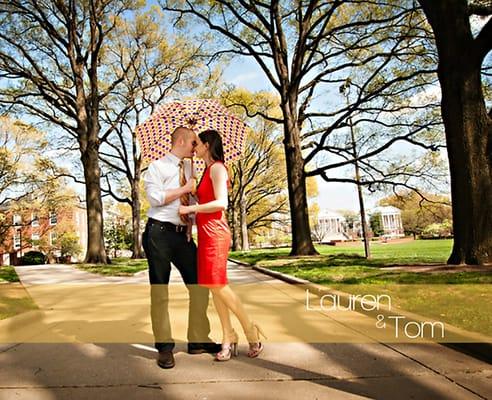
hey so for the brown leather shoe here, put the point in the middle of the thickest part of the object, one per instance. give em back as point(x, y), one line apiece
point(165, 359)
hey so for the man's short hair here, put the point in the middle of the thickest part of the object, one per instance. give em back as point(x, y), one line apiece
point(178, 133)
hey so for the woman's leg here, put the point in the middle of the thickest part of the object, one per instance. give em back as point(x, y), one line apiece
point(231, 301)
point(229, 336)
point(224, 316)
point(251, 329)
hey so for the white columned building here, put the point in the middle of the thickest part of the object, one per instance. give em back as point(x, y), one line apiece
point(331, 227)
point(390, 221)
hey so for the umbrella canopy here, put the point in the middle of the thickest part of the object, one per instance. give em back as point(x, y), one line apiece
point(154, 134)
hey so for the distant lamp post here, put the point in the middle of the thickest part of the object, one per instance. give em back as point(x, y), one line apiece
point(345, 90)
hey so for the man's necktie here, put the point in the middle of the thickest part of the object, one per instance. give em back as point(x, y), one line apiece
point(185, 199)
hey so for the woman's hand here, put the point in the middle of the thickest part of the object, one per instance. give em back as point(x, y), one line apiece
point(193, 186)
point(190, 186)
point(183, 210)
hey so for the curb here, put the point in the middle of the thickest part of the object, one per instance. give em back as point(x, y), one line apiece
point(479, 350)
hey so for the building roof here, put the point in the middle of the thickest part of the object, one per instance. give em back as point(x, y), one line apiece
point(329, 214)
point(386, 210)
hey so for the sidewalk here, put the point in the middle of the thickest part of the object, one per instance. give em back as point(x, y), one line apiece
point(283, 371)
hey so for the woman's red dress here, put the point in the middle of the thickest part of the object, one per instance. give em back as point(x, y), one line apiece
point(214, 238)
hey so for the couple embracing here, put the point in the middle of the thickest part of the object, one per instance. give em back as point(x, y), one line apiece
point(167, 239)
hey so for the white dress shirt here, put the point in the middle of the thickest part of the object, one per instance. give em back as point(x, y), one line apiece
point(162, 175)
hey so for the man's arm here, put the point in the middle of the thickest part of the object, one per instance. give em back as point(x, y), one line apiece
point(173, 194)
point(156, 195)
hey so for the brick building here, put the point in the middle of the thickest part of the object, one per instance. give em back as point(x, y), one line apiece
point(30, 229)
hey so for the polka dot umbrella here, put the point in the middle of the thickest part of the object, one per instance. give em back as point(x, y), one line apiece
point(154, 134)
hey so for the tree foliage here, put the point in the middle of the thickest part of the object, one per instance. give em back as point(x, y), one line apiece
point(25, 170)
point(258, 180)
point(118, 228)
point(376, 224)
point(21, 147)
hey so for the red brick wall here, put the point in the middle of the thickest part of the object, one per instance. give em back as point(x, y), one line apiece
point(66, 221)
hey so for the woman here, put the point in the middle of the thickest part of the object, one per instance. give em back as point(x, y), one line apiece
point(214, 240)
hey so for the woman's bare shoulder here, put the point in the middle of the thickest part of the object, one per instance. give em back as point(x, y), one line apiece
point(218, 166)
point(218, 169)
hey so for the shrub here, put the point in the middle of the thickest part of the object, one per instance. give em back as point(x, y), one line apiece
point(33, 258)
point(437, 231)
point(69, 244)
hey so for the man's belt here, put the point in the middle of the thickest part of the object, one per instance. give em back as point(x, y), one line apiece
point(168, 226)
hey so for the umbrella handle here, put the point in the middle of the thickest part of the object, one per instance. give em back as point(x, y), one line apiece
point(193, 191)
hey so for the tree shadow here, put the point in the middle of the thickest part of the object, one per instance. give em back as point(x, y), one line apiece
point(372, 370)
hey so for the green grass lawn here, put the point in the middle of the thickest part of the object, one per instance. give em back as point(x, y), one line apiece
point(383, 254)
point(461, 305)
point(457, 298)
point(346, 265)
point(8, 274)
point(118, 267)
point(13, 297)
point(15, 303)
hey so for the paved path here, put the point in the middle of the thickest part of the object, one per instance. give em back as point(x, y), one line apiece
point(293, 370)
point(62, 273)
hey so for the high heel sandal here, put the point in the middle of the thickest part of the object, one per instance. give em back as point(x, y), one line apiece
point(229, 347)
point(253, 336)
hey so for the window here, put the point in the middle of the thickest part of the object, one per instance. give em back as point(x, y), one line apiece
point(53, 218)
point(17, 239)
point(17, 219)
point(52, 238)
point(34, 220)
point(35, 236)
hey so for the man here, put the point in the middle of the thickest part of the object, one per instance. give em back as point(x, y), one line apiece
point(165, 241)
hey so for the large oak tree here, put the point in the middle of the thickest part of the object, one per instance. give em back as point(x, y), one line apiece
point(51, 55)
point(467, 122)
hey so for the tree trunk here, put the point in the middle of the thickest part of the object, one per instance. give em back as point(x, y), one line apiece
point(468, 131)
point(136, 237)
point(302, 243)
point(236, 238)
point(96, 252)
point(244, 227)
